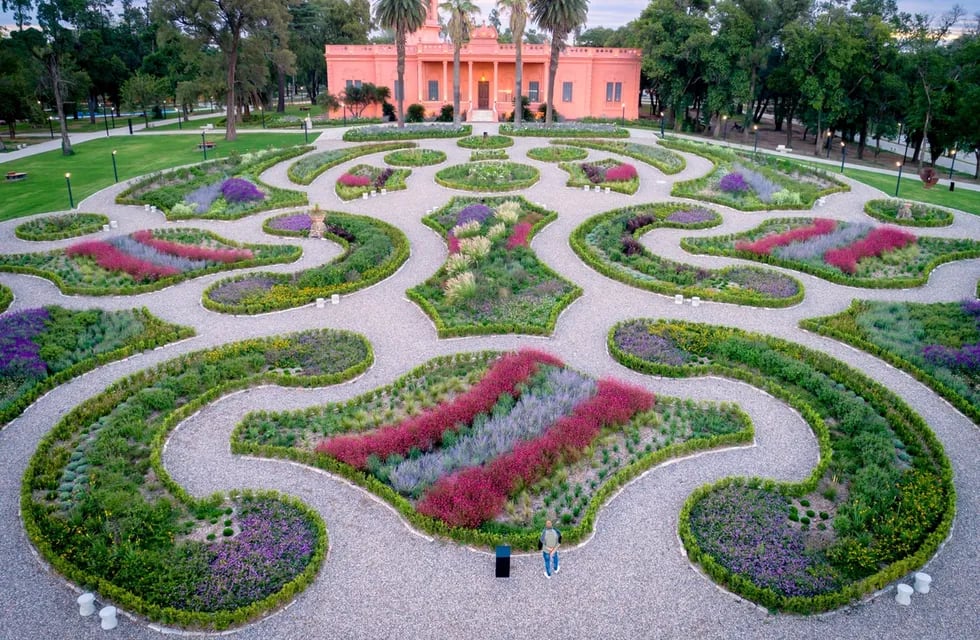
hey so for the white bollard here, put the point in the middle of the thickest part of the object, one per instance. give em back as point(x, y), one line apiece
point(105, 227)
point(678, 299)
point(585, 187)
point(113, 224)
point(922, 582)
point(108, 616)
point(904, 595)
point(320, 302)
point(384, 191)
point(146, 207)
point(364, 196)
point(374, 192)
point(335, 298)
point(695, 301)
point(607, 189)
point(86, 604)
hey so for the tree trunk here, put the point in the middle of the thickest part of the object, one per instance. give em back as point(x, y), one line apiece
point(231, 130)
point(55, 70)
point(400, 68)
point(789, 125)
point(456, 48)
point(748, 112)
point(863, 140)
point(281, 103)
point(518, 79)
point(817, 138)
point(552, 72)
point(717, 130)
point(92, 105)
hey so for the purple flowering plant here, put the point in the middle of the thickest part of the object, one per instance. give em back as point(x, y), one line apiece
point(635, 338)
point(692, 216)
point(475, 211)
point(299, 222)
point(20, 356)
point(733, 183)
point(238, 190)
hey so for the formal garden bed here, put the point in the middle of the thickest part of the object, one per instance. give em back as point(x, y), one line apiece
point(408, 132)
point(492, 282)
point(609, 244)
point(909, 214)
point(362, 178)
point(44, 347)
point(753, 182)
point(484, 447)
point(485, 142)
point(100, 507)
point(225, 189)
point(60, 227)
point(665, 160)
point(373, 250)
point(877, 506)
point(855, 254)
point(488, 154)
point(564, 130)
point(415, 157)
point(938, 343)
point(557, 154)
point(6, 297)
point(490, 176)
point(306, 169)
point(143, 261)
point(609, 174)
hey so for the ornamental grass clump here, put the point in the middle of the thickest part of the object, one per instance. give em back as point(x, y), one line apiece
point(816, 246)
point(508, 212)
point(146, 253)
point(460, 287)
point(458, 262)
point(476, 247)
point(204, 196)
point(236, 190)
point(466, 230)
point(193, 252)
point(820, 226)
point(112, 259)
point(878, 242)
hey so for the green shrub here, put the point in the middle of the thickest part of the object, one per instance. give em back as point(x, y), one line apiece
point(60, 227)
point(415, 113)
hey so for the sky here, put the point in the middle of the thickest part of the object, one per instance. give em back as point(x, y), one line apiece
point(616, 13)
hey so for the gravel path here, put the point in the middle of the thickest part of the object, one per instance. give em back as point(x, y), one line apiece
point(383, 580)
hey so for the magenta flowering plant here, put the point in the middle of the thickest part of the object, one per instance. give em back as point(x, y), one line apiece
point(733, 183)
point(239, 190)
point(352, 180)
point(621, 173)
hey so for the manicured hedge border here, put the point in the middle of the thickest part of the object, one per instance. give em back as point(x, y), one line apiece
point(489, 142)
point(944, 219)
point(830, 274)
point(526, 541)
point(511, 186)
point(118, 392)
point(294, 254)
point(438, 156)
point(900, 417)
point(613, 147)
point(252, 172)
point(6, 297)
point(497, 328)
point(396, 182)
point(820, 326)
point(561, 132)
point(578, 179)
point(393, 133)
point(552, 154)
point(349, 154)
point(84, 223)
point(371, 276)
point(690, 188)
point(581, 248)
point(156, 333)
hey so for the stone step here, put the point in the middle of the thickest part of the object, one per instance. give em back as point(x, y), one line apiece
point(481, 115)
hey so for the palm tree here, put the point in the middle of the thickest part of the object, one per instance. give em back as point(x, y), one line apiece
point(518, 20)
point(461, 13)
point(560, 18)
point(402, 17)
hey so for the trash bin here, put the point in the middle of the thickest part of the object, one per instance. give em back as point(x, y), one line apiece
point(503, 561)
point(952, 185)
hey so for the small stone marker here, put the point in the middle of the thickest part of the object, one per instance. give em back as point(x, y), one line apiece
point(678, 299)
point(108, 616)
point(113, 224)
point(86, 604)
point(695, 301)
point(904, 595)
point(335, 298)
point(320, 302)
point(922, 582)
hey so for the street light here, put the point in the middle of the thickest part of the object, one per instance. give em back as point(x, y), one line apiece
point(71, 200)
point(828, 142)
point(204, 146)
point(115, 172)
point(262, 109)
point(724, 134)
point(900, 132)
point(900, 165)
point(624, 114)
point(661, 124)
point(843, 154)
point(306, 133)
point(755, 147)
point(952, 154)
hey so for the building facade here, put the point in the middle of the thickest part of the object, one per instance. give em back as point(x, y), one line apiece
point(591, 81)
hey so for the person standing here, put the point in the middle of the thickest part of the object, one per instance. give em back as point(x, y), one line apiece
point(548, 544)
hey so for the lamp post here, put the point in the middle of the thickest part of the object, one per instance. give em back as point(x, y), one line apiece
point(262, 110)
point(843, 154)
point(623, 121)
point(755, 147)
point(661, 124)
point(828, 142)
point(724, 133)
point(204, 146)
point(905, 153)
point(900, 132)
point(51, 127)
point(952, 154)
point(900, 165)
point(306, 133)
point(115, 171)
point(71, 200)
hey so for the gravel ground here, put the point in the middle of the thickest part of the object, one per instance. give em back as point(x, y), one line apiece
point(383, 580)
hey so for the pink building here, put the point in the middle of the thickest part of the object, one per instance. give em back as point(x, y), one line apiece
point(591, 81)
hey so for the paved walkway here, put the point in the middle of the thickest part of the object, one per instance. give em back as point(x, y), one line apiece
point(381, 579)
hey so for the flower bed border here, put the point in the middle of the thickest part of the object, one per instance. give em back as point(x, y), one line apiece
point(490, 142)
point(885, 401)
point(516, 185)
point(540, 153)
point(580, 246)
point(349, 154)
point(611, 147)
point(6, 297)
point(97, 220)
point(117, 392)
point(409, 133)
point(396, 182)
point(538, 130)
point(574, 170)
point(526, 541)
point(871, 208)
point(442, 158)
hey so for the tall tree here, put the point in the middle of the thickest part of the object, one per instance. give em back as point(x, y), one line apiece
point(403, 17)
point(317, 23)
point(142, 91)
point(559, 18)
point(461, 14)
point(223, 23)
point(517, 20)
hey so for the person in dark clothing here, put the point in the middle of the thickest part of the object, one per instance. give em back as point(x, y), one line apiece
point(548, 544)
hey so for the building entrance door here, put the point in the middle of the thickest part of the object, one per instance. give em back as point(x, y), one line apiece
point(483, 95)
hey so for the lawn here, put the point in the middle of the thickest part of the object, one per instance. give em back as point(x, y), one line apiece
point(912, 189)
point(45, 188)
